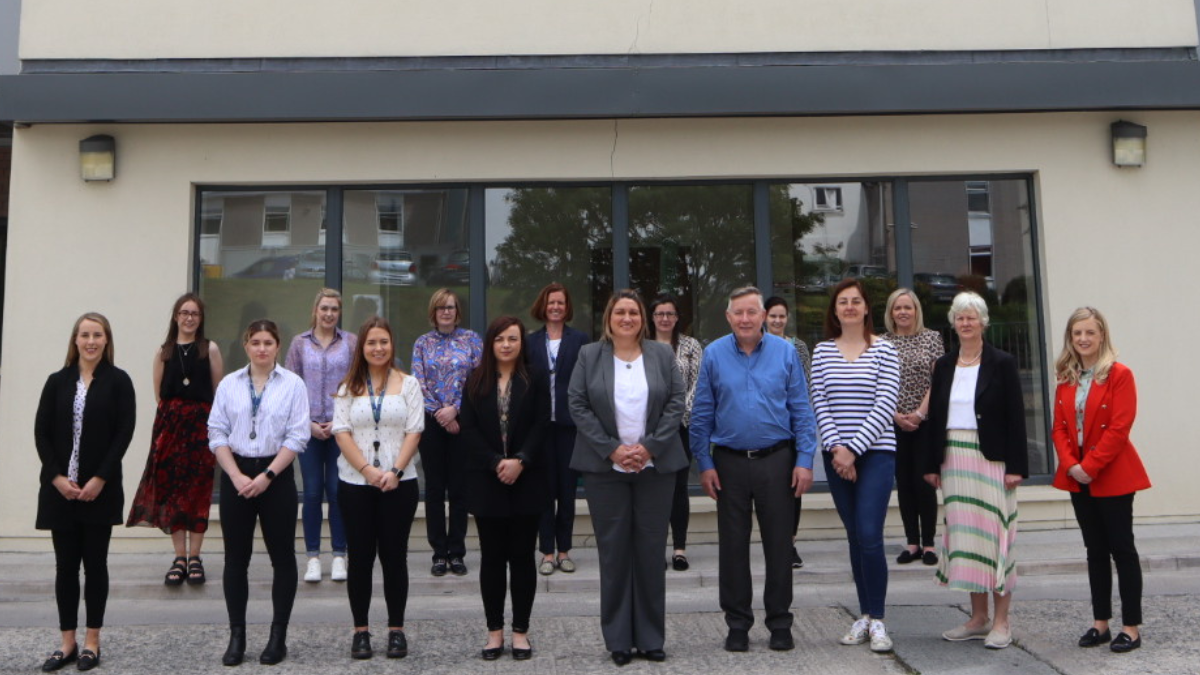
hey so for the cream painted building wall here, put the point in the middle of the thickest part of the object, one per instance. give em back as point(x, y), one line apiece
point(152, 29)
point(1118, 239)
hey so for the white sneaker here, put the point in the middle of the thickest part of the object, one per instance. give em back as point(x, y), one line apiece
point(338, 571)
point(857, 633)
point(880, 642)
point(312, 573)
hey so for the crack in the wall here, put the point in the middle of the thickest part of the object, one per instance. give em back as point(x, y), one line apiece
point(637, 28)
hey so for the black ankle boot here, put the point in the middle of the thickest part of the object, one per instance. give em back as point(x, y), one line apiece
point(236, 650)
point(276, 645)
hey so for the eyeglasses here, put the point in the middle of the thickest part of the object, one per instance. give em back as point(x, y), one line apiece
point(447, 308)
point(185, 314)
point(665, 315)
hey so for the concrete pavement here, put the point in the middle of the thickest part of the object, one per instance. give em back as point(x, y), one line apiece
point(154, 629)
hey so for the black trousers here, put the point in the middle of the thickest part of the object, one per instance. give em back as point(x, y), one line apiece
point(918, 499)
point(681, 508)
point(378, 523)
point(558, 522)
point(444, 479)
point(1107, 527)
point(275, 510)
point(506, 548)
point(74, 544)
point(762, 488)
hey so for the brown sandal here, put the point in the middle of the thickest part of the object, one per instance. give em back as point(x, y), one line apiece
point(195, 571)
point(178, 571)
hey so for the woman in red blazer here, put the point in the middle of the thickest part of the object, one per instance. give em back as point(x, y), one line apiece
point(1094, 409)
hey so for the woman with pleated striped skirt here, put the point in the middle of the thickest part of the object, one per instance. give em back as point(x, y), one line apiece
point(977, 453)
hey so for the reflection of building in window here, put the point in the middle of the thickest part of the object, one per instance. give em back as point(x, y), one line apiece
point(389, 213)
point(979, 226)
point(277, 221)
point(827, 199)
point(212, 214)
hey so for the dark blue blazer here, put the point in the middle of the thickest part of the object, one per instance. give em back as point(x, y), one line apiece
point(539, 366)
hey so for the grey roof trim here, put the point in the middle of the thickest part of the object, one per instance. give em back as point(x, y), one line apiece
point(583, 93)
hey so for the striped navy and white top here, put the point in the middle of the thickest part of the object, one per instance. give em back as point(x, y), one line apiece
point(854, 401)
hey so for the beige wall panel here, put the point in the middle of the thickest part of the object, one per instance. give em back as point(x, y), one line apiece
point(151, 29)
point(1111, 238)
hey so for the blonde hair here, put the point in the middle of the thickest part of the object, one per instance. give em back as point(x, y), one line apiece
point(321, 295)
point(623, 294)
point(1069, 366)
point(439, 297)
point(890, 324)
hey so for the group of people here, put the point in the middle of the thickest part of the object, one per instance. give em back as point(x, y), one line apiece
point(505, 425)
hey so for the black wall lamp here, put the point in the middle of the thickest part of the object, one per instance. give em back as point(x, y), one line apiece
point(1129, 144)
point(98, 158)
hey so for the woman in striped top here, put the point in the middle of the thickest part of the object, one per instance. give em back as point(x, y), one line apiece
point(977, 453)
point(855, 385)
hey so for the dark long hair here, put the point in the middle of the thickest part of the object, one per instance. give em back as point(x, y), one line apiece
point(355, 381)
point(167, 350)
point(483, 378)
point(667, 299)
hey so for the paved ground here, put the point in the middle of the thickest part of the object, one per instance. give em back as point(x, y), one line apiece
point(153, 629)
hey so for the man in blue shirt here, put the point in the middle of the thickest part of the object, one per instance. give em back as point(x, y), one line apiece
point(752, 406)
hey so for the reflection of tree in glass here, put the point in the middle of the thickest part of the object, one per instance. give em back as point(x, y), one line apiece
point(555, 235)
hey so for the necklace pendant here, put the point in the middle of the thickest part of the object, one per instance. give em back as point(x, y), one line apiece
point(253, 434)
point(375, 463)
point(628, 366)
point(186, 381)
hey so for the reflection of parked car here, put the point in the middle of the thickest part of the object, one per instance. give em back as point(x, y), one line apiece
point(817, 285)
point(393, 267)
point(312, 266)
point(865, 271)
point(277, 267)
point(942, 287)
point(456, 271)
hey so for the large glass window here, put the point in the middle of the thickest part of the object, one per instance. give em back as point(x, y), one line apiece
point(536, 236)
point(696, 242)
point(400, 246)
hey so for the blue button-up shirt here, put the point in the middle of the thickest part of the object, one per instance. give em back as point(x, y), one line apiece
point(750, 402)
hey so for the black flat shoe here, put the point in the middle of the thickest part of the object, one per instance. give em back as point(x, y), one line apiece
point(491, 653)
point(929, 558)
point(522, 653)
point(656, 655)
point(782, 640)
point(89, 659)
point(360, 648)
point(1121, 645)
point(397, 645)
point(1094, 638)
point(236, 651)
point(276, 649)
point(738, 640)
point(679, 562)
point(58, 660)
point(906, 556)
point(622, 658)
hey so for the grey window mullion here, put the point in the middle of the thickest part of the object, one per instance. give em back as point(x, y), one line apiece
point(477, 243)
point(762, 237)
point(902, 229)
point(333, 238)
point(620, 235)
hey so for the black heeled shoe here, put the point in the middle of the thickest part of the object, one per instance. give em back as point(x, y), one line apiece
point(89, 659)
point(276, 649)
point(360, 648)
point(58, 660)
point(236, 651)
point(656, 655)
point(522, 653)
point(622, 658)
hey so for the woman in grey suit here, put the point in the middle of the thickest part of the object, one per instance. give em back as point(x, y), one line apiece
point(627, 398)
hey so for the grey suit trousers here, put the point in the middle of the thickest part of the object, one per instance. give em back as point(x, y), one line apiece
point(762, 487)
point(629, 514)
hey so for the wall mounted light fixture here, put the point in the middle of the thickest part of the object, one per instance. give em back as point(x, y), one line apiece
point(1129, 144)
point(98, 158)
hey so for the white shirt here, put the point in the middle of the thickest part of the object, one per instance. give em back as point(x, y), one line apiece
point(282, 420)
point(552, 358)
point(962, 398)
point(401, 414)
point(631, 395)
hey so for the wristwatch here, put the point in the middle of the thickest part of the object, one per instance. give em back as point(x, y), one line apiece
point(396, 471)
point(269, 474)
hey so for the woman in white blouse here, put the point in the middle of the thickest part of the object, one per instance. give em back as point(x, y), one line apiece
point(378, 417)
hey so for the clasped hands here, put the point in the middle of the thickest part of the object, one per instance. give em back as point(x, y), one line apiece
point(1079, 474)
point(448, 418)
point(843, 463)
point(907, 421)
point(386, 481)
point(72, 492)
point(632, 458)
point(509, 469)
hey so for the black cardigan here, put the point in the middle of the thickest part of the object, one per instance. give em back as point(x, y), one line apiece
point(528, 415)
point(108, 421)
point(999, 411)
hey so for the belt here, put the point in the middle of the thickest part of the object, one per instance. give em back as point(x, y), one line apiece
point(252, 466)
point(756, 454)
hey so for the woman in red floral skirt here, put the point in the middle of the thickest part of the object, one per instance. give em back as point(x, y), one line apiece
point(176, 488)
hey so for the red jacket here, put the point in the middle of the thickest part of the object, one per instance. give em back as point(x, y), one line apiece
point(1111, 459)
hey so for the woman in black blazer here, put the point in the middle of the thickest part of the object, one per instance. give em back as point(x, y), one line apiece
point(553, 350)
point(627, 400)
point(84, 423)
point(503, 417)
point(977, 453)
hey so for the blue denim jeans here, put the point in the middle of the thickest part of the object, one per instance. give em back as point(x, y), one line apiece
point(318, 465)
point(862, 506)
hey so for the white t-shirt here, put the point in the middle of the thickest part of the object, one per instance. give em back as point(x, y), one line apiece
point(401, 414)
point(631, 394)
point(962, 398)
point(552, 358)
